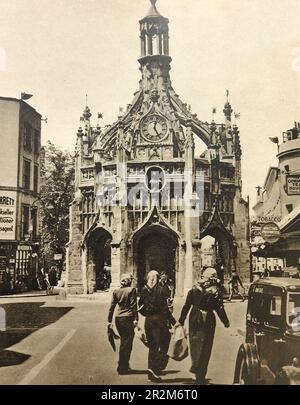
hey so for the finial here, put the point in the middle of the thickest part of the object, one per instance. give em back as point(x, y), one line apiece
point(153, 10)
point(227, 108)
point(214, 111)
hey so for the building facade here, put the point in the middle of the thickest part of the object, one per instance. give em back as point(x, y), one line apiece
point(144, 199)
point(278, 201)
point(20, 135)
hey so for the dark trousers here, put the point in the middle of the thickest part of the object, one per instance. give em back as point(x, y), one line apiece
point(125, 329)
point(201, 344)
point(158, 337)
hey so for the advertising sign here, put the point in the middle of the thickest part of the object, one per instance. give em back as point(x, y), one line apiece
point(293, 184)
point(7, 215)
point(270, 232)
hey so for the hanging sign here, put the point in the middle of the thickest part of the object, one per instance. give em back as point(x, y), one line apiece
point(270, 232)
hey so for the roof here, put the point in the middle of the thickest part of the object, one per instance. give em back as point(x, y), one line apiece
point(153, 12)
point(271, 170)
point(288, 219)
point(10, 99)
point(18, 100)
point(279, 281)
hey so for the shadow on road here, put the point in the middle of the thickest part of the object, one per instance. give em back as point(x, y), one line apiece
point(22, 319)
point(10, 358)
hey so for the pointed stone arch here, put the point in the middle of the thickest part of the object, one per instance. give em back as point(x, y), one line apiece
point(226, 242)
point(97, 244)
point(155, 247)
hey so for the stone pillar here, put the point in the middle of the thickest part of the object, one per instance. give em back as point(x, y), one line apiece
point(160, 44)
point(180, 275)
point(189, 174)
point(150, 45)
point(241, 233)
point(166, 44)
point(115, 266)
point(84, 269)
point(143, 45)
point(74, 259)
point(196, 243)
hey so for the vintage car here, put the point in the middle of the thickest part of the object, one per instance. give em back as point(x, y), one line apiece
point(271, 353)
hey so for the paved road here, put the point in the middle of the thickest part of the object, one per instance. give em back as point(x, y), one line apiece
point(49, 341)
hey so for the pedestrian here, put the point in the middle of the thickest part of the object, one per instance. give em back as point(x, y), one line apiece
point(52, 278)
point(203, 299)
point(7, 281)
point(234, 283)
point(153, 305)
point(166, 283)
point(126, 318)
point(106, 276)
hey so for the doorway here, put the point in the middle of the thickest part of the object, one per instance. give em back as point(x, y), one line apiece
point(156, 250)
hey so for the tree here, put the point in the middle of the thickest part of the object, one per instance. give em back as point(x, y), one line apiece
point(56, 194)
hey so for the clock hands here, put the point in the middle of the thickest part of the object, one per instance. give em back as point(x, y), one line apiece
point(155, 129)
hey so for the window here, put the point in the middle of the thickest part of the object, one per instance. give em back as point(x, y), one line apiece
point(26, 174)
point(25, 221)
point(293, 310)
point(36, 145)
point(36, 178)
point(266, 306)
point(34, 222)
point(27, 137)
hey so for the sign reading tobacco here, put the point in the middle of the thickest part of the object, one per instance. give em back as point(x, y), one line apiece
point(293, 184)
point(270, 232)
point(7, 215)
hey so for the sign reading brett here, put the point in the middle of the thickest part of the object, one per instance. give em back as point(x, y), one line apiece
point(293, 184)
point(7, 215)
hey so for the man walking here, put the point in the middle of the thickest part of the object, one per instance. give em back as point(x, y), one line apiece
point(234, 283)
point(125, 298)
point(153, 305)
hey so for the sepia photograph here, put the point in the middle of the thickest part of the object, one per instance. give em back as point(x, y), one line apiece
point(149, 195)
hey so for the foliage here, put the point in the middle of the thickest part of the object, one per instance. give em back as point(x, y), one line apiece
point(56, 194)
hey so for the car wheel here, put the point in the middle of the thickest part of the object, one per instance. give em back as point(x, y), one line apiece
point(247, 367)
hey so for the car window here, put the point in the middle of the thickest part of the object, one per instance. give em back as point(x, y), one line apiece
point(255, 307)
point(293, 310)
point(266, 306)
point(272, 310)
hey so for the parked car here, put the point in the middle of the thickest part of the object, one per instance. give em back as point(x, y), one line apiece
point(271, 352)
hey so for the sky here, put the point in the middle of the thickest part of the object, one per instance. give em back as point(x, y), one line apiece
point(61, 50)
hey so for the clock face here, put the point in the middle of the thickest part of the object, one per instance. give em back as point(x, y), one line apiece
point(154, 128)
